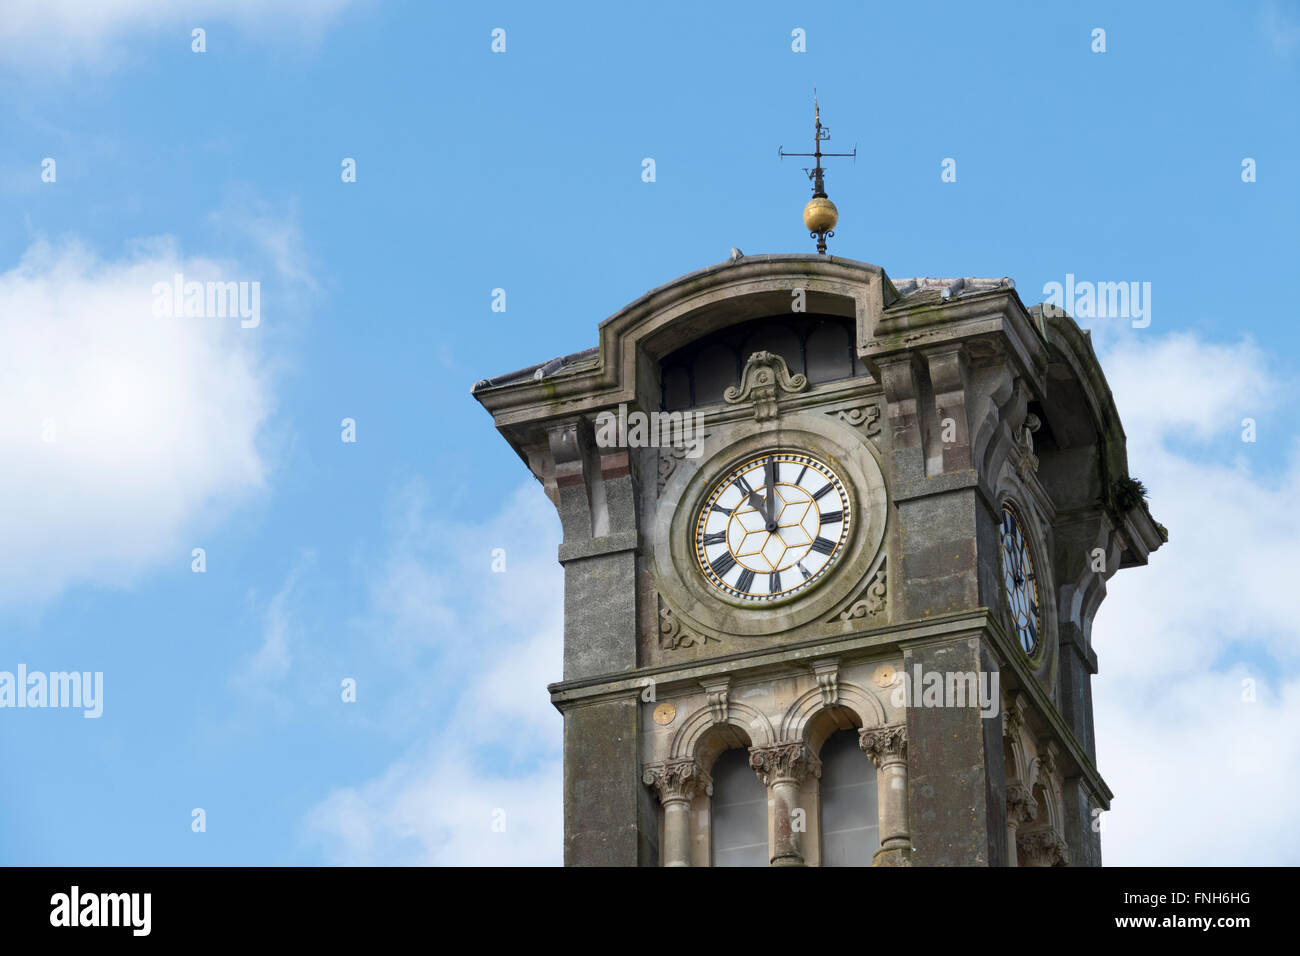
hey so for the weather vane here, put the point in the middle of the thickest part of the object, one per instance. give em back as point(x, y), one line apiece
point(820, 215)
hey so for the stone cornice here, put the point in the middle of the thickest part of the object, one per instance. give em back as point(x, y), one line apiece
point(871, 642)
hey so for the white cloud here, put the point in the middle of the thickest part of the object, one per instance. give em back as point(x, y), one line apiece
point(274, 657)
point(60, 33)
point(1201, 776)
point(497, 640)
point(123, 435)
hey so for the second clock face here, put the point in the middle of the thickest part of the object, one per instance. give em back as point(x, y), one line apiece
point(772, 526)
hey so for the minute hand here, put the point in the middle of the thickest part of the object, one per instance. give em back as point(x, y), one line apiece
point(769, 469)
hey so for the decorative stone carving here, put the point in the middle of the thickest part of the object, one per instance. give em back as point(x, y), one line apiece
point(1045, 768)
point(828, 676)
point(870, 603)
point(677, 780)
point(884, 744)
point(673, 635)
point(715, 693)
point(670, 456)
point(1021, 805)
point(765, 376)
point(1028, 463)
point(784, 762)
point(1013, 720)
point(865, 416)
point(1043, 847)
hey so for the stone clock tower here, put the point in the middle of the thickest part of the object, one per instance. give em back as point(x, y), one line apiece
point(833, 544)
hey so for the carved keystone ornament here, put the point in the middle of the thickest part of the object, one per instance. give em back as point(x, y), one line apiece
point(765, 375)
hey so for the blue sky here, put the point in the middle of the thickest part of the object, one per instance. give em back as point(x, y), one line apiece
point(372, 560)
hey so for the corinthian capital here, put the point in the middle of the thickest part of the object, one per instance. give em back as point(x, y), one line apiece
point(791, 761)
point(1043, 847)
point(884, 743)
point(1021, 805)
point(677, 780)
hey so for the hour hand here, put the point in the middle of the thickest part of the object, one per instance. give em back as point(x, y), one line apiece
point(756, 502)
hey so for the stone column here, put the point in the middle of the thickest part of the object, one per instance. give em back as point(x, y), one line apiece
point(677, 783)
point(1021, 808)
point(887, 748)
point(783, 768)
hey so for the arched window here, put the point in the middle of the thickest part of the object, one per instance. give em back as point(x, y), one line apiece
point(739, 816)
point(850, 821)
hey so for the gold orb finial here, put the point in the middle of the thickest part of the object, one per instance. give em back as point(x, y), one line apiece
point(820, 215)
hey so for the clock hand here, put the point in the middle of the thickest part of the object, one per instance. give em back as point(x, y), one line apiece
point(770, 478)
point(769, 475)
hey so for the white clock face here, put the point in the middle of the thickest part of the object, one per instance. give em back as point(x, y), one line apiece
point(772, 526)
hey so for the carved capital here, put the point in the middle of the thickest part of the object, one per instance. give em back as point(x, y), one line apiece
point(766, 375)
point(677, 780)
point(1021, 805)
point(884, 744)
point(1044, 847)
point(789, 761)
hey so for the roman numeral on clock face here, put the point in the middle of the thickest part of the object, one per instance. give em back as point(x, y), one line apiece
point(725, 511)
point(830, 517)
point(717, 537)
point(774, 582)
point(818, 494)
point(745, 581)
point(743, 485)
point(722, 564)
point(823, 545)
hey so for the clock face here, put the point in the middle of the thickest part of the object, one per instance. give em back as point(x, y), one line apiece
point(1021, 581)
point(772, 527)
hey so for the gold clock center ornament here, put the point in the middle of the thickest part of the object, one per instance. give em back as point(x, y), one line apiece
point(772, 527)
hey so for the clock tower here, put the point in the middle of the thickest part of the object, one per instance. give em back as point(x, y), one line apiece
point(833, 544)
